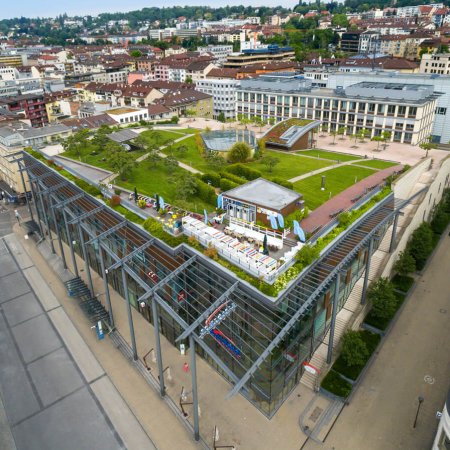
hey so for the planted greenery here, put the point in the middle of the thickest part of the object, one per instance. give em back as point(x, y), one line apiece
point(381, 295)
point(382, 324)
point(335, 384)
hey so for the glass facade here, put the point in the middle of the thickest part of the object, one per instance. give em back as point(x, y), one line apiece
point(190, 285)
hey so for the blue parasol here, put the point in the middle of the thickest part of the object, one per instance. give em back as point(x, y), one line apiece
point(206, 216)
point(161, 203)
point(219, 201)
point(299, 231)
point(280, 220)
point(273, 222)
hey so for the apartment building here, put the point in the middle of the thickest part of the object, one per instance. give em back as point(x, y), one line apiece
point(32, 105)
point(260, 55)
point(223, 92)
point(219, 52)
point(435, 63)
point(441, 84)
point(407, 111)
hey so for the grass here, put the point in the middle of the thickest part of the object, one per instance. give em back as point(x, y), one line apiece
point(377, 164)
point(151, 180)
point(337, 180)
point(191, 156)
point(336, 385)
point(371, 340)
point(334, 156)
point(382, 324)
point(290, 165)
point(403, 283)
point(164, 136)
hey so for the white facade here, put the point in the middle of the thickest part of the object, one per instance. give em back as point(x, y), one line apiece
point(8, 74)
point(441, 128)
point(435, 63)
point(220, 52)
point(128, 115)
point(442, 440)
point(119, 76)
point(223, 93)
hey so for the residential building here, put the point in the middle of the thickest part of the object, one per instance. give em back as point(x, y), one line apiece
point(260, 55)
point(223, 92)
point(13, 60)
point(125, 115)
point(349, 42)
point(111, 76)
point(440, 131)
point(32, 105)
point(181, 102)
point(219, 52)
point(407, 111)
point(435, 63)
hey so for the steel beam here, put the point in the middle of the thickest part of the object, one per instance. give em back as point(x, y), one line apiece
point(333, 320)
point(86, 214)
point(51, 189)
point(69, 200)
point(25, 191)
point(207, 312)
point(58, 233)
point(366, 274)
point(394, 233)
point(69, 238)
point(86, 260)
point(130, 255)
point(40, 177)
point(130, 315)
point(165, 280)
point(194, 388)
point(162, 387)
point(107, 232)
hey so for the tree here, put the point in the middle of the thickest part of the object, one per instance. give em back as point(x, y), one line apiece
point(381, 295)
point(136, 53)
point(215, 160)
point(334, 134)
point(405, 263)
point(186, 186)
point(421, 244)
point(307, 254)
point(100, 138)
point(120, 160)
point(141, 142)
point(182, 149)
point(156, 137)
point(427, 145)
point(188, 79)
point(386, 135)
point(240, 152)
point(363, 134)
point(339, 20)
point(354, 349)
point(355, 137)
point(171, 164)
point(221, 117)
point(190, 112)
point(270, 162)
point(76, 143)
point(341, 131)
point(261, 150)
point(377, 139)
point(154, 157)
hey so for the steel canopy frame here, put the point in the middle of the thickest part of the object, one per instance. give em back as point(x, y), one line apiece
point(130, 255)
point(111, 230)
point(64, 203)
point(83, 216)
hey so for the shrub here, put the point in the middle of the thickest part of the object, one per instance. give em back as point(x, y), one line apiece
point(405, 263)
point(114, 201)
point(206, 192)
point(210, 252)
point(354, 349)
point(421, 244)
point(233, 178)
point(240, 152)
point(213, 178)
point(307, 254)
point(243, 171)
point(345, 219)
point(402, 283)
point(335, 384)
point(141, 203)
point(155, 228)
point(281, 182)
point(381, 294)
point(117, 191)
point(297, 215)
point(226, 185)
point(440, 219)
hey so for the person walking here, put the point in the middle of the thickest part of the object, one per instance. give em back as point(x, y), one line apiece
point(17, 215)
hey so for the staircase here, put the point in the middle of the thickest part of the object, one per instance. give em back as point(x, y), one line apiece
point(318, 360)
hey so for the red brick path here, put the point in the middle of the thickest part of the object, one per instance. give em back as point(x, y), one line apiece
point(321, 216)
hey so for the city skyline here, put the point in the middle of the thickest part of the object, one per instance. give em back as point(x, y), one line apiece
point(48, 8)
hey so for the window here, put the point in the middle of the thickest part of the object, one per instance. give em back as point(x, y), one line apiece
point(401, 110)
point(412, 111)
point(371, 108)
point(361, 107)
point(441, 111)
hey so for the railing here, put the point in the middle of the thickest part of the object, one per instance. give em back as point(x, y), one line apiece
point(254, 227)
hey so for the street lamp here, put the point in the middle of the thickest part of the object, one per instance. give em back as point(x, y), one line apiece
point(420, 399)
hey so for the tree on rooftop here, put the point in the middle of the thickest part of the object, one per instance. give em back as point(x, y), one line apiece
point(141, 142)
point(270, 162)
point(154, 157)
point(76, 143)
point(215, 160)
point(121, 161)
point(186, 186)
point(182, 149)
point(240, 152)
point(136, 53)
point(188, 79)
point(171, 164)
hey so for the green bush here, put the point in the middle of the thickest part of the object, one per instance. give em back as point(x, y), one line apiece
point(284, 183)
point(420, 245)
point(307, 254)
point(297, 215)
point(244, 172)
point(92, 190)
point(156, 229)
point(226, 185)
point(381, 295)
point(335, 384)
point(206, 192)
point(233, 178)
point(440, 219)
point(354, 349)
point(382, 324)
point(213, 178)
point(239, 152)
point(402, 282)
point(405, 263)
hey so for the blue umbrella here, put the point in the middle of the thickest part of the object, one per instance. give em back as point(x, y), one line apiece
point(161, 203)
point(280, 220)
point(299, 231)
point(206, 216)
point(219, 201)
point(273, 222)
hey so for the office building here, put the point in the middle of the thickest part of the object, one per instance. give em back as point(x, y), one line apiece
point(223, 92)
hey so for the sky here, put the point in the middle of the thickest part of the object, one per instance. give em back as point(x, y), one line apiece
point(51, 8)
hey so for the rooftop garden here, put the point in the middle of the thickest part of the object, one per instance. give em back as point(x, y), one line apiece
point(333, 156)
point(275, 133)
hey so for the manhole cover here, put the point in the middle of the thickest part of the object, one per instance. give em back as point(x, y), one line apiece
point(428, 379)
point(443, 311)
point(315, 414)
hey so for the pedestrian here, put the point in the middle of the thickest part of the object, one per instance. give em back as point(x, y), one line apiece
point(16, 213)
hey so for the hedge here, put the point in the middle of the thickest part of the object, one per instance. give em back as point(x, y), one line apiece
point(226, 185)
point(382, 324)
point(213, 178)
point(244, 172)
point(234, 178)
point(284, 183)
point(156, 229)
point(402, 282)
point(335, 384)
point(206, 192)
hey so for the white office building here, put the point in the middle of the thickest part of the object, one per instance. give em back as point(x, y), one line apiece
point(223, 93)
point(220, 52)
point(435, 63)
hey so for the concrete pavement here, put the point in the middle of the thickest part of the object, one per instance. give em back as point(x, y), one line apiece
point(413, 361)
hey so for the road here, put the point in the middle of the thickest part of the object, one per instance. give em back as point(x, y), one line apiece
point(413, 361)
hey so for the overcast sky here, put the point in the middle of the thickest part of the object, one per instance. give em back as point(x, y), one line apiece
point(51, 8)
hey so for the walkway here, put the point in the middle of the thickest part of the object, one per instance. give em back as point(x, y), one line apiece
point(412, 362)
point(321, 215)
point(55, 393)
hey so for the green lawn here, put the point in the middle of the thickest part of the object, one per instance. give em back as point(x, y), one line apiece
point(191, 156)
point(157, 180)
point(377, 164)
point(337, 180)
point(343, 157)
point(159, 137)
point(290, 165)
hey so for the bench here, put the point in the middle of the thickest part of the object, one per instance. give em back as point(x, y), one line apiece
point(316, 229)
point(336, 213)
